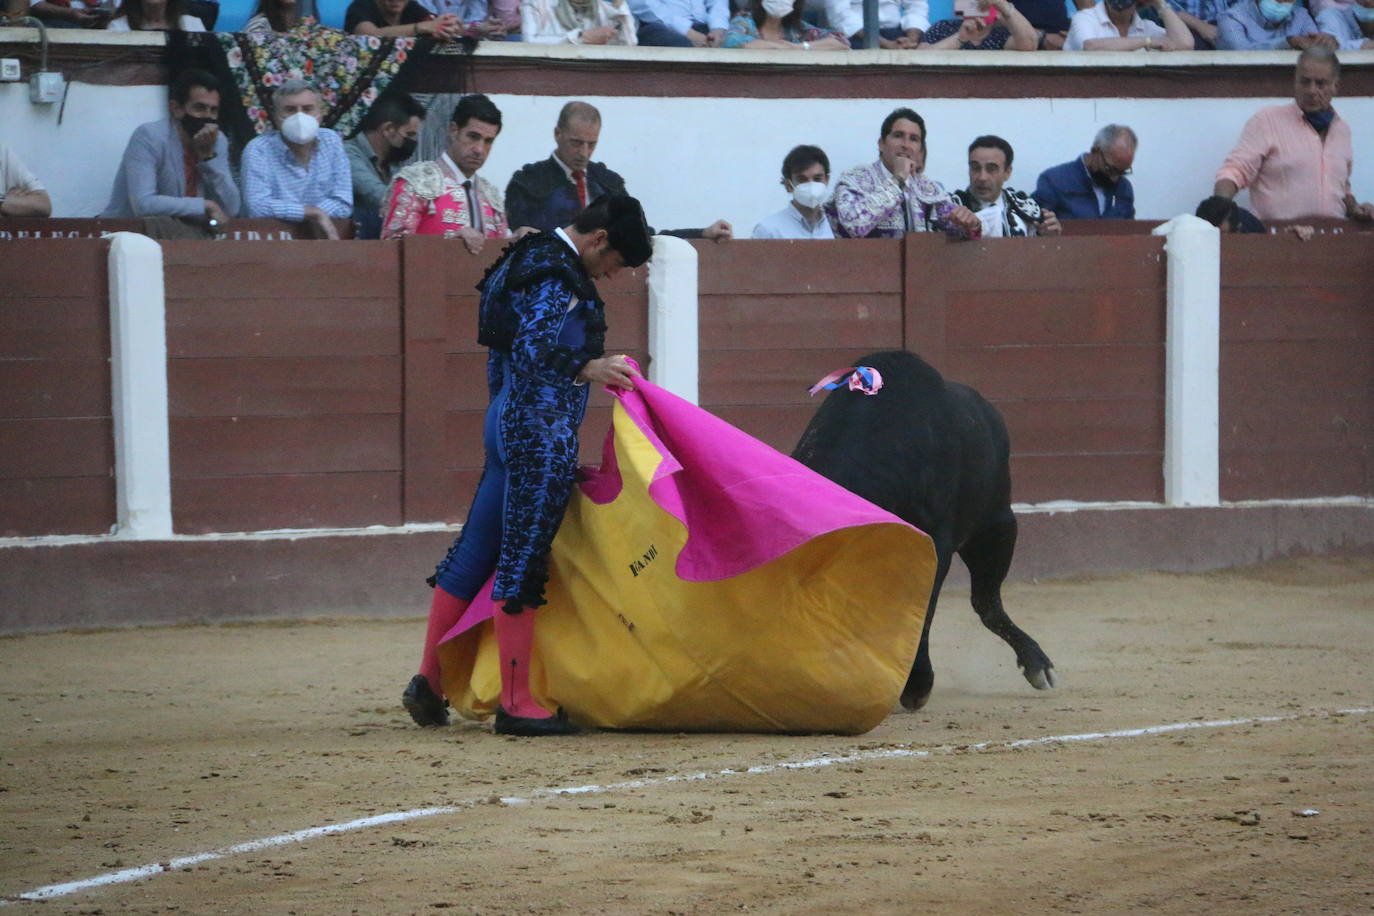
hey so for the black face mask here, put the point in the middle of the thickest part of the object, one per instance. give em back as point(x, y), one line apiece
point(403, 152)
point(1103, 181)
point(192, 125)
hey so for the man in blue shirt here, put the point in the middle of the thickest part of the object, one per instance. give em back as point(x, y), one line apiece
point(1269, 25)
point(298, 172)
point(681, 23)
point(1093, 186)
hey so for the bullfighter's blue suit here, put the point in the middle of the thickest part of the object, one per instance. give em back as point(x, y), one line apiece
point(542, 320)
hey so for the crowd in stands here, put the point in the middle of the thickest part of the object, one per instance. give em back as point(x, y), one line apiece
point(1296, 160)
point(799, 25)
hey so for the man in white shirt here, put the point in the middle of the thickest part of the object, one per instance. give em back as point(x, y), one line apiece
point(21, 194)
point(682, 23)
point(806, 176)
point(901, 23)
point(1114, 25)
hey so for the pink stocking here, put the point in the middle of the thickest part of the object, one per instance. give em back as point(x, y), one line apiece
point(444, 611)
point(514, 639)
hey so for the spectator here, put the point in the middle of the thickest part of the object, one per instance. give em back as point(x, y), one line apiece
point(1296, 159)
point(1229, 217)
point(546, 195)
point(1114, 25)
point(681, 23)
point(1269, 25)
point(577, 22)
point(892, 196)
point(1200, 16)
point(1352, 26)
point(274, 16)
point(901, 23)
point(21, 193)
point(1009, 29)
point(778, 24)
point(495, 21)
point(806, 176)
point(1003, 212)
point(448, 197)
point(1093, 186)
point(1050, 20)
point(69, 14)
point(299, 171)
point(399, 19)
point(154, 16)
point(386, 139)
point(179, 166)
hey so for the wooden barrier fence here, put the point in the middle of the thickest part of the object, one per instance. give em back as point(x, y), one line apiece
point(340, 385)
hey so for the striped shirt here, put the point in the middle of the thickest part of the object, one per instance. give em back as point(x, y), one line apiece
point(276, 186)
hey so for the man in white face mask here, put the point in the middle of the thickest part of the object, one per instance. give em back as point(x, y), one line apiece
point(300, 171)
point(806, 176)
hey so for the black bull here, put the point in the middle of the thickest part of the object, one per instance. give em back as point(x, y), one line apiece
point(935, 454)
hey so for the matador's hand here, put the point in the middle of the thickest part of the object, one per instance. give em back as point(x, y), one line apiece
point(609, 370)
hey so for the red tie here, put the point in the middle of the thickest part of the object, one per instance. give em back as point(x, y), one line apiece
point(580, 179)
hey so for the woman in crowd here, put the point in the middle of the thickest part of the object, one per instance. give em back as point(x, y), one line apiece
point(399, 19)
point(778, 24)
point(1006, 28)
point(154, 16)
point(578, 22)
point(274, 16)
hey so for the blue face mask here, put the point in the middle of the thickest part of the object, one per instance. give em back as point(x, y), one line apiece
point(1362, 13)
point(1274, 12)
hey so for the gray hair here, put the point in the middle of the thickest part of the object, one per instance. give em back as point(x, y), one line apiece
point(1319, 55)
point(1114, 133)
point(293, 87)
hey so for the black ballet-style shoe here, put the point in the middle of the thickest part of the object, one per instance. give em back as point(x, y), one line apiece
point(558, 724)
point(423, 704)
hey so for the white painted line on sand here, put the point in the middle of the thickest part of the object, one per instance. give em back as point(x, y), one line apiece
point(889, 753)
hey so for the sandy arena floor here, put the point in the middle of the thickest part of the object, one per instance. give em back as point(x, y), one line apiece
point(127, 748)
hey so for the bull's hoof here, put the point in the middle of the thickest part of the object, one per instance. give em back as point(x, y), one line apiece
point(1040, 678)
point(914, 700)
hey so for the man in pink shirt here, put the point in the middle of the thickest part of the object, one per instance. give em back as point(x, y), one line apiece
point(1296, 159)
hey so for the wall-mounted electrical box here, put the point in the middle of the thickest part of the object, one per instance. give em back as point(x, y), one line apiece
point(46, 88)
point(9, 70)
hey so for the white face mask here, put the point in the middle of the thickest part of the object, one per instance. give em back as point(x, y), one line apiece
point(300, 128)
point(778, 8)
point(810, 194)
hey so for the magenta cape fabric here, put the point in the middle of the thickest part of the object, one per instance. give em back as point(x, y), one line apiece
point(743, 503)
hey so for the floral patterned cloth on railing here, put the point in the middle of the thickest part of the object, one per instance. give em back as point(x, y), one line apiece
point(349, 70)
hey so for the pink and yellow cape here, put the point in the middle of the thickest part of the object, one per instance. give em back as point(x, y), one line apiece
point(702, 581)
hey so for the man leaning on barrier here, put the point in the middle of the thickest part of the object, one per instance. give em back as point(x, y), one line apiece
point(1093, 186)
point(21, 193)
point(1004, 212)
point(179, 166)
point(299, 171)
point(893, 196)
point(1296, 158)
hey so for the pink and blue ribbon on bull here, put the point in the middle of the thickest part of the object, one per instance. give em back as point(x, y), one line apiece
point(859, 378)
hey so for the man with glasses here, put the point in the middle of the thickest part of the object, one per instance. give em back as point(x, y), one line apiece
point(1093, 186)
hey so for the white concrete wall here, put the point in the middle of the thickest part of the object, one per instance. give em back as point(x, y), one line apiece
point(694, 160)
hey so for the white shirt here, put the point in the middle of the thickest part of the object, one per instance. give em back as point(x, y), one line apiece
point(847, 16)
point(1094, 23)
point(188, 24)
point(788, 223)
point(14, 175)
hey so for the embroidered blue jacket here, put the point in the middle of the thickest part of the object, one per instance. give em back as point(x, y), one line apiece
point(543, 320)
